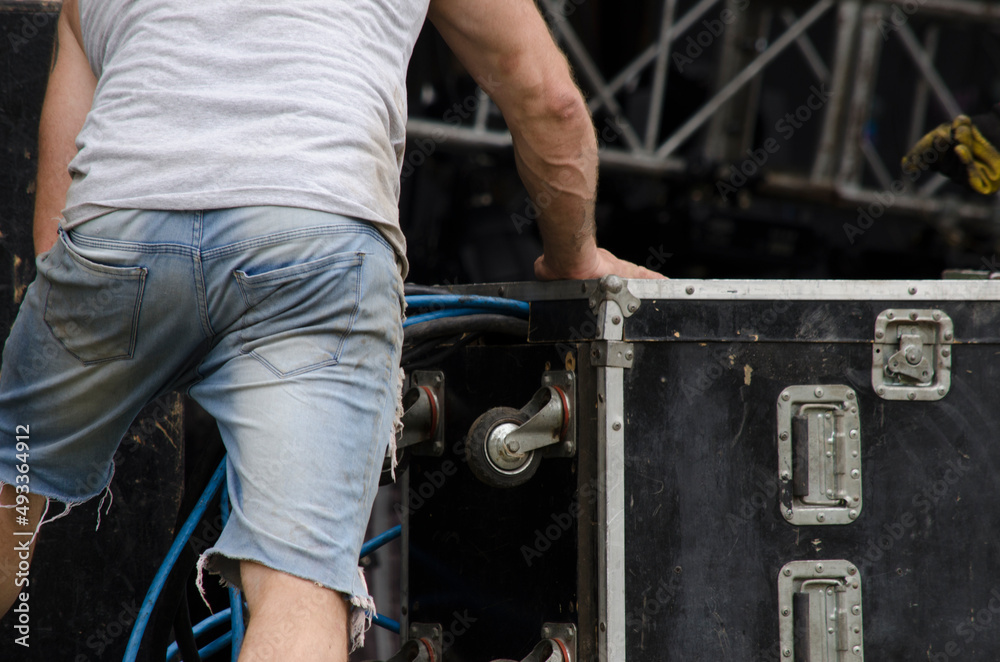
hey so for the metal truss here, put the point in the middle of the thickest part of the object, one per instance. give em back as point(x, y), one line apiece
point(845, 152)
point(844, 157)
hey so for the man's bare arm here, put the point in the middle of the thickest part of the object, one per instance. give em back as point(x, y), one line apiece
point(506, 46)
point(68, 98)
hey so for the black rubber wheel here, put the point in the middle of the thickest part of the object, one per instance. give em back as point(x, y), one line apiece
point(517, 469)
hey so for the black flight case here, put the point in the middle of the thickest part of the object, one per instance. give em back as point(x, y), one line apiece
point(754, 471)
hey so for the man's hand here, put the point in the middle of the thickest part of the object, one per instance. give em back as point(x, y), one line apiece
point(963, 150)
point(603, 263)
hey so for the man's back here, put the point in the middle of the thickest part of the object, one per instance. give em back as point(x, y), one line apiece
point(225, 104)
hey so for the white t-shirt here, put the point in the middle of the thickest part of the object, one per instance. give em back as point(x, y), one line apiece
point(213, 104)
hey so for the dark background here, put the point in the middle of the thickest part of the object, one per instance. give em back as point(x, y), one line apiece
point(457, 208)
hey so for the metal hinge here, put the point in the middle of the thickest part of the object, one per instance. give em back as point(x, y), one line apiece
point(911, 357)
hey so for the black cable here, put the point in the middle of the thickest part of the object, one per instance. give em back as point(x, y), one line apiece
point(437, 359)
point(450, 326)
point(433, 349)
point(184, 632)
point(411, 289)
point(161, 622)
point(198, 472)
point(427, 347)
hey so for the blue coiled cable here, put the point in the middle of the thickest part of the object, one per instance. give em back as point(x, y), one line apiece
point(380, 540)
point(201, 628)
point(468, 302)
point(227, 614)
point(235, 598)
point(168, 563)
point(447, 306)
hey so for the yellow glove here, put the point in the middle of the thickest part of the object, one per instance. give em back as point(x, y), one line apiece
point(963, 151)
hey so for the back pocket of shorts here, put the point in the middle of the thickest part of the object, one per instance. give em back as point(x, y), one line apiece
point(299, 316)
point(91, 308)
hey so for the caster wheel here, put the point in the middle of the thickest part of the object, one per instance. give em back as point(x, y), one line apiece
point(489, 460)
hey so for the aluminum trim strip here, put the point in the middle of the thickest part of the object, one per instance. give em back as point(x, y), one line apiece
point(611, 513)
point(818, 290)
point(611, 629)
point(749, 290)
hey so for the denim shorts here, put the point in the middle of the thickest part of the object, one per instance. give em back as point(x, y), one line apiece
point(284, 324)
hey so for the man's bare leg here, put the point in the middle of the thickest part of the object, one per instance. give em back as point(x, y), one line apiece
point(11, 557)
point(292, 618)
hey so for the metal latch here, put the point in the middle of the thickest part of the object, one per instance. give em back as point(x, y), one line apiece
point(820, 612)
point(911, 357)
point(819, 454)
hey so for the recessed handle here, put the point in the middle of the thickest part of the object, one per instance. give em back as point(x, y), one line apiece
point(819, 454)
point(819, 605)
